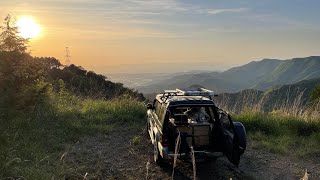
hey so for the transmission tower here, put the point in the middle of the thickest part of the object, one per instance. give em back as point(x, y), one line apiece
point(67, 57)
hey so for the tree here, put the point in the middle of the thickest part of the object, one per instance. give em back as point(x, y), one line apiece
point(49, 62)
point(9, 39)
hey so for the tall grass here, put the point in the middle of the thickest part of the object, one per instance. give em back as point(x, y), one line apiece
point(32, 143)
point(291, 127)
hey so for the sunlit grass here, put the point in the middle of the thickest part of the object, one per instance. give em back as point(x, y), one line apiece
point(281, 133)
point(287, 127)
point(32, 144)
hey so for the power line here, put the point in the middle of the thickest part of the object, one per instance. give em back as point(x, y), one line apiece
point(67, 57)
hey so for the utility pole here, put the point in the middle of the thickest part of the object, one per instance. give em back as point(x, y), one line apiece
point(67, 57)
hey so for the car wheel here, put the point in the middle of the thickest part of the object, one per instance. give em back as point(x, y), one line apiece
point(241, 133)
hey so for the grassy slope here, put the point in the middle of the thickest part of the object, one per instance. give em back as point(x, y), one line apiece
point(283, 133)
point(32, 144)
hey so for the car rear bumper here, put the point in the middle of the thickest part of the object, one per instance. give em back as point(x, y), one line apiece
point(197, 153)
point(170, 154)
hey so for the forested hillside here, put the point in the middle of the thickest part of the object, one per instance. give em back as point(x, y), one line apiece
point(25, 79)
point(45, 106)
point(291, 71)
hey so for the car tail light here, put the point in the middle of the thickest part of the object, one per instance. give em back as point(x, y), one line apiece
point(164, 141)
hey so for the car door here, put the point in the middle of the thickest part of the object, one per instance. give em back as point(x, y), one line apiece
point(230, 139)
point(150, 123)
point(153, 120)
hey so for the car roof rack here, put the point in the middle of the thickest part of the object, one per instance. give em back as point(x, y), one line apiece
point(179, 92)
point(198, 92)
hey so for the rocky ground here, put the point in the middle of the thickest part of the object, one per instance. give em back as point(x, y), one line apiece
point(115, 156)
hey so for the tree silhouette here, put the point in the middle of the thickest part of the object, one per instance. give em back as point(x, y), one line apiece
point(9, 39)
point(24, 79)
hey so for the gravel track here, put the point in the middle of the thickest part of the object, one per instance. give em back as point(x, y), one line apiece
point(114, 156)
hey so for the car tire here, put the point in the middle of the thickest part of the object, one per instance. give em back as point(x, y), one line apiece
point(241, 134)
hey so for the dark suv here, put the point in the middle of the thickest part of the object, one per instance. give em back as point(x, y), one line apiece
point(193, 117)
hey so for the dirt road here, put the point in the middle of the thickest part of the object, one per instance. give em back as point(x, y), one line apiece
point(114, 156)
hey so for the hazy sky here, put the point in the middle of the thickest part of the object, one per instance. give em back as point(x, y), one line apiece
point(135, 35)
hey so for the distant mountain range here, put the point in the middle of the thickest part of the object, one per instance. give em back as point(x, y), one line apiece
point(294, 95)
point(259, 75)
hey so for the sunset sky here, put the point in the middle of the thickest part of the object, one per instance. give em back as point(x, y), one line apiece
point(111, 36)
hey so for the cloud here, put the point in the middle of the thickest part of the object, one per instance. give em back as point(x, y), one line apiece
point(233, 10)
point(110, 33)
point(114, 19)
point(163, 5)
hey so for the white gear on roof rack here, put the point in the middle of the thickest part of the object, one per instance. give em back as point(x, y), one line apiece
point(198, 92)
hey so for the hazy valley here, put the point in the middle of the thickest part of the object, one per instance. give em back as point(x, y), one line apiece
point(260, 75)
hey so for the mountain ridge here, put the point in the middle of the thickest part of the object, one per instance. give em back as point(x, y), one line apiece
point(260, 75)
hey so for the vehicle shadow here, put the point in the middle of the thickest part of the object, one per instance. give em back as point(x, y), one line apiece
point(210, 168)
point(180, 171)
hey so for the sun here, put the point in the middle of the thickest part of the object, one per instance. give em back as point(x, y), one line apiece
point(28, 28)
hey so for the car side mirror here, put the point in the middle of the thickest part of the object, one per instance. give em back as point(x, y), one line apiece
point(150, 106)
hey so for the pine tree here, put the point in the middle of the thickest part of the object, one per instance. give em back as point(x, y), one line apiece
point(9, 39)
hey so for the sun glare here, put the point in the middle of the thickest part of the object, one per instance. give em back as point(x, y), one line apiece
point(28, 28)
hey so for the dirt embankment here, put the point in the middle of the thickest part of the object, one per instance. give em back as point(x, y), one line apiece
point(114, 156)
